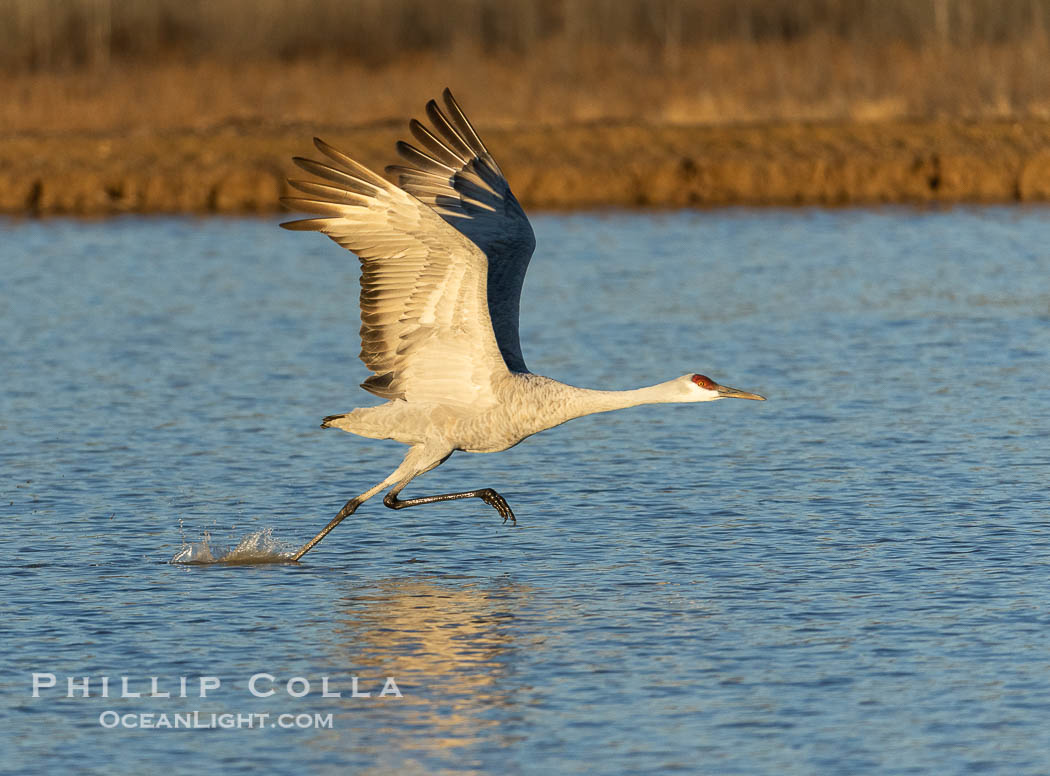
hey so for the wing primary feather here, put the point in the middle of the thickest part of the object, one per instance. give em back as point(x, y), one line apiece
point(336, 176)
point(442, 125)
point(315, 205)
point(358, 169)
point(415, 175)
point(434, 144)
point(427, 163)
point(332, 193)
point(463, 125)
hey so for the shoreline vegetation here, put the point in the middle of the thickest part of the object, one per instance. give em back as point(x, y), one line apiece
point(242, 169)
point(115, 106)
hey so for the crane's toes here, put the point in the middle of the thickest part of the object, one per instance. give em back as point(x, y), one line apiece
point(495, 500)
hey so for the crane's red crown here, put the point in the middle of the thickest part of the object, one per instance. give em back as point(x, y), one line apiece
point(704, 382)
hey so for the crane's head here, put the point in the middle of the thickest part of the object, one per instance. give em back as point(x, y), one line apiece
point(703, 388)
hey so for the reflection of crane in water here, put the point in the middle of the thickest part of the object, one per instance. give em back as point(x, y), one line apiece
point(443, 257)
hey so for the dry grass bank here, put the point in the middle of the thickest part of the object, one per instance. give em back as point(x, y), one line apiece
point(242, 169)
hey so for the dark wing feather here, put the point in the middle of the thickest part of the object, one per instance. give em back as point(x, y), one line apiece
point(455, 174)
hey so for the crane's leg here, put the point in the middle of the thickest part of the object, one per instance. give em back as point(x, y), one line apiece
point(488, 495)
point(416, 462)
point(348, 509)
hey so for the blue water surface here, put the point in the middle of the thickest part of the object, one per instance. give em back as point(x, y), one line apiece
point(853, 577)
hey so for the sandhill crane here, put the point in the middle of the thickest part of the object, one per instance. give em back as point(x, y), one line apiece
point(443, 256)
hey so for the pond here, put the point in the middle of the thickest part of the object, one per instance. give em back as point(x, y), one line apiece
point(851, 577)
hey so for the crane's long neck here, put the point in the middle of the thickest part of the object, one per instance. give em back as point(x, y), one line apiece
point(567, 402)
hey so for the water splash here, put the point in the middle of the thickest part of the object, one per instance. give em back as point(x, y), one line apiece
point(257, 547)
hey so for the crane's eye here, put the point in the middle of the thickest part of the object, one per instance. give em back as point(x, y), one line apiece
point(703, 382)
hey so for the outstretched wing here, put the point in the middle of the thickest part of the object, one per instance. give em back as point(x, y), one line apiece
point(425, 328)
point(456, 175)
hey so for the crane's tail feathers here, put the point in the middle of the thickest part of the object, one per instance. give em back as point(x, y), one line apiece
point(333, 421)
point(355, 422)
point(376, 422)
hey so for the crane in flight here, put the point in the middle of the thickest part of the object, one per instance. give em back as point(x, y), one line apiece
point(443, 257)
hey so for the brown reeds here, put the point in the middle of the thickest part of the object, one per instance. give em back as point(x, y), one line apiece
point(40, 34)
point(110, 63)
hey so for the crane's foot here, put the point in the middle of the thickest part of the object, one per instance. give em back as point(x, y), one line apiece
point(495, 500)
point(488, 495)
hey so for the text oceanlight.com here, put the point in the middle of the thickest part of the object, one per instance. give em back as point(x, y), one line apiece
point(209, 720)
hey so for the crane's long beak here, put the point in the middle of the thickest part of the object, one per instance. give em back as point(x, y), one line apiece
point(734, 393)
